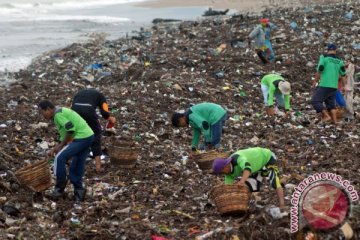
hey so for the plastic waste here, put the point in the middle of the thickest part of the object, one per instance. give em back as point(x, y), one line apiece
point(238, 43)
point(109, 125)
point(276, 213)
point(210, 234)
point(155, 237)
point(349, 15)
point(105, 73)
point(356, 46)
point(137, 138)
point(219, 74)
point(74, 222)
point(11, 210)
point(94, 66)
point(293, 25)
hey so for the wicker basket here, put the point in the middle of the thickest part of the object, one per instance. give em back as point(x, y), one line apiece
point(231, 199)
point(205, 160)
point(124, 154)
point(36, 176)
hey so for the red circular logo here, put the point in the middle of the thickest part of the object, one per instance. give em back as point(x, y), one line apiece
point(325, 206)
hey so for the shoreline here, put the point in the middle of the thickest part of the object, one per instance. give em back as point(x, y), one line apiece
point(157, 7)
point(239, 5)
point(44, 36)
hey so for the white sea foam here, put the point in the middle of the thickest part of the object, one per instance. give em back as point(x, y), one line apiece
point(59, 4)
point(14, 64)
point(17, 10)
point(32, 27)
point(44, 17)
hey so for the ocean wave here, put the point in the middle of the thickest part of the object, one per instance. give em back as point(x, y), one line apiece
point(96, 19)
point(14, 64)
point(56, 10)
point(60, 5)
point(7, 6)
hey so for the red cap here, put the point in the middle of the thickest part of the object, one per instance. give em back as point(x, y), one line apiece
point(264, 20)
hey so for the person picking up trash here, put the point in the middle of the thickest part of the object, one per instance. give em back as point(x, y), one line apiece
point(261, 35)
point(204, 118)
point(275, 85)
point(85, 103)
point(76, 137)
point(252, 165)
point(329, 68)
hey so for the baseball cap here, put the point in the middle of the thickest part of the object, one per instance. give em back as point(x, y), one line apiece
point(285, 87)
point(331, 47)
point(264, 20)
point(219, 164)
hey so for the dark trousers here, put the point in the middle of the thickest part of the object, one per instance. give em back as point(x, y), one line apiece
point(324, 95)
point(78, 151)
point(91, 118)
point(216, 131)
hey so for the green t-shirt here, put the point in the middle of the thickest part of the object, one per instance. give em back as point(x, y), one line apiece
point(252, 159)
point(329, 67)
point(201, 118)
point(67, 120)
point(268, 80)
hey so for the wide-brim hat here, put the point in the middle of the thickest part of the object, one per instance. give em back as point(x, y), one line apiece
point(285, 87)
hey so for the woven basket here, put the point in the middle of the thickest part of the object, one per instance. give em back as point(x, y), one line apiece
point(36, 176)
point(205, 160)
point(231, 199)
point(124, 154)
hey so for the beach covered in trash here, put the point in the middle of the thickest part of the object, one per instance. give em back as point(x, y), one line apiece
point(148, 76)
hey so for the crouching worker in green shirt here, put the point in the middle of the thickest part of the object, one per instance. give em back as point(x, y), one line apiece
point(252, 164)
point(76, 137)
point(274, 85)
point(204, 118)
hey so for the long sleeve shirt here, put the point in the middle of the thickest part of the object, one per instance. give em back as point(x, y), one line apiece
point(201, 117)
point(272, 81)
point(258, 34)
point(94, 99)
point(251, 159)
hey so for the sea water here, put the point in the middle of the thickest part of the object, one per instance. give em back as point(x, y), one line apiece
point(29, 28)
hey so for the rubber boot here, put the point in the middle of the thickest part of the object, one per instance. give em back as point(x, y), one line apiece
point(59, 189)
point(334, 118)
point(262, 57)
point(79, 195)
point(325, 116)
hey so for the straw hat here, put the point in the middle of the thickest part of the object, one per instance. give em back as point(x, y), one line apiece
point(285, 87)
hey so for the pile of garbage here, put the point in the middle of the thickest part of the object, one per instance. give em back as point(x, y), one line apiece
point(148, 76)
